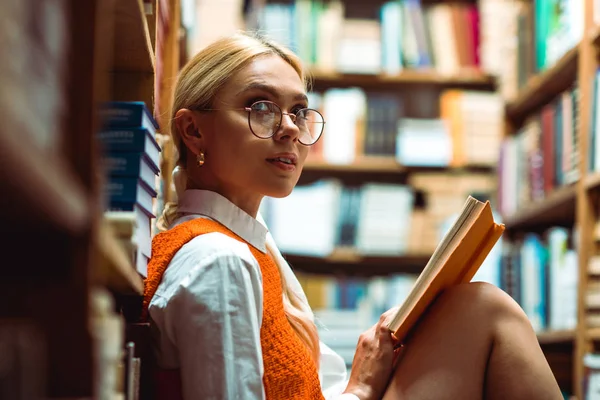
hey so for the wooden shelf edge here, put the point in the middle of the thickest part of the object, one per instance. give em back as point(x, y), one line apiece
point(114, 267)
point(39, 187)
point(559, 336)
point(467, 78)
point(348, 261)
point(537, 213)
point(593, 334)
point(592, 181)
point(133, 45)
point(542, 88)
point(594, 35)
point(384, 165)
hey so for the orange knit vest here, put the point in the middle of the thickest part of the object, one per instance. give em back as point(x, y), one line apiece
point(289, 369)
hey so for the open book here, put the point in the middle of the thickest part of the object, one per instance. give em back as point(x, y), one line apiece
point(455, 260)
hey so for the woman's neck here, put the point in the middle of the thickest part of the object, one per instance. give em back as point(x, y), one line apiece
point(247, 201)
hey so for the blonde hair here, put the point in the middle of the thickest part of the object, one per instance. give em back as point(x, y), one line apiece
point(199, 82)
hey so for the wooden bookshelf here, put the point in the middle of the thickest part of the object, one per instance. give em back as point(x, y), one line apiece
point(542, 88)
point(594, 36)
point(349, 262)
point(114, 269)
point(593, 334)
point(553, 337)
point(383, 165)
point(592, 182)
point(39, 189)
point(132, 50)
point(467, 80)
point(557, 209)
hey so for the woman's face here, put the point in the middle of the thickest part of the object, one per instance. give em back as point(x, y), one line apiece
point(239, 164)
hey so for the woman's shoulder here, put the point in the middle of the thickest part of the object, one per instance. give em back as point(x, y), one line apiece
point(206, 255)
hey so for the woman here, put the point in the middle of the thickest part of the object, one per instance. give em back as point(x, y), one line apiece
point(230, 318)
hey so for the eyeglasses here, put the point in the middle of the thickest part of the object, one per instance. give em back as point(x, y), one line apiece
point(264, 120)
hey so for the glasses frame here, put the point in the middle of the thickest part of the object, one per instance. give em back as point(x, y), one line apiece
point(293, 117)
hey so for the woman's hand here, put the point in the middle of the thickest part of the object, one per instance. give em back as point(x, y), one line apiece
point(373, 361)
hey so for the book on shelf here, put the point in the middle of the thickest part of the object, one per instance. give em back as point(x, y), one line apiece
point(375, 38)
point(128, 114)
point(131, 161)
point(455, 260)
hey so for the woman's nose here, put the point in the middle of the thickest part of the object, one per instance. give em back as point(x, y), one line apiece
point(288, 128)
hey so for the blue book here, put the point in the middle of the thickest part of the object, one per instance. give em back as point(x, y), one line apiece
point(128, 114)
point(134, 165)
point(124, 193)
point(131, 140)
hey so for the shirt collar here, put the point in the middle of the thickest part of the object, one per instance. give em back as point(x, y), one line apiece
point(217, 207)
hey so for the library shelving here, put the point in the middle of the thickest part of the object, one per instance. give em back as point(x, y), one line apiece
point(383, 165)
point(559, 336)
point(573, 204)
point(61, 251)
point(558, 209)
point(384, 169)
point(542, 88)
point(465, 80)
point(349, 262)
point(592, 182)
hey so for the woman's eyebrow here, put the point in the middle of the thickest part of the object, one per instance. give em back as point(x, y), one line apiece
point(269, 89)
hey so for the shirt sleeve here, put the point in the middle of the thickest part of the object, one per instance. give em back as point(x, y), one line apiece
point(214, 319)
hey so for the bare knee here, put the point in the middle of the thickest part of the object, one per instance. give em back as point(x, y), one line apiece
point(483, 300)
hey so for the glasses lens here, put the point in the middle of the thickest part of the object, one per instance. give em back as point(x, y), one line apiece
point(264, 118)
point(310, 123)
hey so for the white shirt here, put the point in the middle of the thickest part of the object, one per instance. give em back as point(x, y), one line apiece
point(207, 311)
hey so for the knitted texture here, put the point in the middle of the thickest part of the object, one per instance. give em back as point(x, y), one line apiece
point(289, 370)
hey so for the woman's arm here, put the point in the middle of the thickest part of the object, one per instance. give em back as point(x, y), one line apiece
point(214, 319)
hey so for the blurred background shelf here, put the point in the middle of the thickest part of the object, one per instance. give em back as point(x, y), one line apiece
point(115, 269)
point(595, 35)
point(348, 262)
point(384, 165)
point(552, 337)
point(44, 192)
point(465, 80)
point(592, 182)
point(379, 169)
point(133, 50)
point(542, 88)
point(557, 209)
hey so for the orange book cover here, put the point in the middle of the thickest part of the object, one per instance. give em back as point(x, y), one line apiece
point(450, 111)
point(456, 260)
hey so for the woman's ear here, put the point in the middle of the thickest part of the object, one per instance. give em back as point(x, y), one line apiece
point(188, 127)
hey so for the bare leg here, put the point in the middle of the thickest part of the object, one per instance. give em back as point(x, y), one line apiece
point(475, 342)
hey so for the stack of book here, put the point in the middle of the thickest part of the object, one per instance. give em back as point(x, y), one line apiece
point(131, 160)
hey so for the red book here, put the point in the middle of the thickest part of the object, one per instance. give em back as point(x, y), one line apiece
point(473, 26)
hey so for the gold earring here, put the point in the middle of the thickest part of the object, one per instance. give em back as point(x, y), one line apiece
point(200, 159)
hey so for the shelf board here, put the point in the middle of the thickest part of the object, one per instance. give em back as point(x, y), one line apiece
point(593, 334)
point(349, 262)
point(37, 188)
point(379, 166)
point(369, 165)
point(114, 268)
point(133, 50)
point(558, 208)
point(595, 36)
point(542, 88)
point(553, 337)
point(467, 79)
point(592, 182)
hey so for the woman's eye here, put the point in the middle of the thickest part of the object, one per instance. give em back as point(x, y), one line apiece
point(296, 109)
point(264, 107)
point(253, 102)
